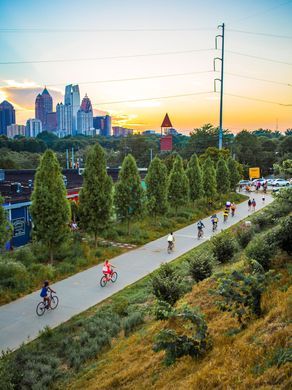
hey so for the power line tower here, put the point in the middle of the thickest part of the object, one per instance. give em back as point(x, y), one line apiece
point(222, 36)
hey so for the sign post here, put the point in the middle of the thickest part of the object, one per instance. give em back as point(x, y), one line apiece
point(254, 173)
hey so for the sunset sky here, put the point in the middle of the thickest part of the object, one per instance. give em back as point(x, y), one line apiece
point(83, 31)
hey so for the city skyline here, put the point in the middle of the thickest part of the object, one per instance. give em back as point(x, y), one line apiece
point(176, 61)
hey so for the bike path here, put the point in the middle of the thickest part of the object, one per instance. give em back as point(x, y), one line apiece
point(19, 322)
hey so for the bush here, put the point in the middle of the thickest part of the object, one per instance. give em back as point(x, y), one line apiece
point(13, 275)
point(244, 234)
point(201, 265)
point(166, 285)
point(262, 249)
point(223, 247)
point(120, 306)
point(42, 272)
point(131, 322)
point(285, 235)
point(25, 256)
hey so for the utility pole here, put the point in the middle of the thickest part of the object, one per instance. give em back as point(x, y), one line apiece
point(222, 36)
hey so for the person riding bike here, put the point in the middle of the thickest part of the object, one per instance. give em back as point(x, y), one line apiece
point(233, 208)
point(225, 215)
point(44, 293)
point(214, 220)
point(170, 240)
point(107, 269)
point(200, 227)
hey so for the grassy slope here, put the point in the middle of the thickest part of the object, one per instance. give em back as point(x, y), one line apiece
point(244, 360)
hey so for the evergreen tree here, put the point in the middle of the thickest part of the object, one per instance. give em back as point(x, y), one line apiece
point(194, 174)
point(222, 177)
point(129, 193)
point(234, 173)
point(96, 199)
point(5, 226)
point(209, 179)
point(178, 189)
point(156, 181)
point(50, 208)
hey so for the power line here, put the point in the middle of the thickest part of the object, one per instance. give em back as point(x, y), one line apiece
point(92, 30)
point(259, 100)
point(259, 58)
point(105, 58)
point(154, 98)
point(260, 33)
point(133, 78)
point(258, 79)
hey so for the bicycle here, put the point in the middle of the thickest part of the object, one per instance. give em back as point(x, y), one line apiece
point(170, 247)
point(43, 305)
point(108, 278)
point(200, 233)
point(214, 227)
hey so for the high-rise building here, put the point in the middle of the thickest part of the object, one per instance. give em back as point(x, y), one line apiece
point(13, 130)
point(51, 121)
point(103, 124)
point(72, 97)
point(43, 106)
point(7, 116)
point(64, 119)
point(33, 127)
point(85, 117)
point(119, 131)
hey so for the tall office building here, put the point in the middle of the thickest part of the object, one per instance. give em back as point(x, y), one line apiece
point(103, 124)
point(33, 127)
point(51, 121)
point(64, 119)
point(72, 98)
point(7, 116)
point(85, 117)
point(13, 130)
point(43, 106)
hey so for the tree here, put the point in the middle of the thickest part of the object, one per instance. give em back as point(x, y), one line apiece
point(234, 174)
point(209, 179)
point(178, 190)
point(156, 181)
point(50, 209)
point(96, 199)
point(215, 154)
point(128, 197)
point(5, 226)
point(222, 177)
point(194, 174)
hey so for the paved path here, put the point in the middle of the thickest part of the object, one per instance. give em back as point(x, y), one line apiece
point(19, 322)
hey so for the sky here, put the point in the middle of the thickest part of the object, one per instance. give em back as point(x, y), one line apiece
point(177, 77)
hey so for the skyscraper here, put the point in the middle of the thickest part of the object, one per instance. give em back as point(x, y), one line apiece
point(33, 127)
point(64, 119)
point(43, 106)
point(85, 117)
point(13, 130)
point(72, 97)
point(7, 116)
point(103, 124)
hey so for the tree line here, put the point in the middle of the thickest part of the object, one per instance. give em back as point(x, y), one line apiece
point(101, 201)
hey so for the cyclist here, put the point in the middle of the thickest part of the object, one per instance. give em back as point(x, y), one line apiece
point(107, 269)
point(233, 208)
point(170, 240)
point(214, 220)
point(225, 215)
point(200, 227)
point(44, 293)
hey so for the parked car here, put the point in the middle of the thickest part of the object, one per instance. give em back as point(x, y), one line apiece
point(276, 190)
point(244, 183)
point(280, 183)
point(262, 180)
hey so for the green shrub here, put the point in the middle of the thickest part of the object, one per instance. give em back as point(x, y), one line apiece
point(285, 235)
point(185, 214)
point(165, 222)
point(110, 234)
point(13, 275)
point(244, 235)
point(65, 267)
point(192, 340)
point(131, 322)
point(25, 256)
point(120, 306)
point(223, 247)
point(201, 265)
point(42, 272)
point(262, 249)
point(167, 285)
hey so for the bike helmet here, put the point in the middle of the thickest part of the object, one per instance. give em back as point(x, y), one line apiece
point(46, 283)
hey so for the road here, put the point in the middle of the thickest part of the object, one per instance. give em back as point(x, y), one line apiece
point(19, 322)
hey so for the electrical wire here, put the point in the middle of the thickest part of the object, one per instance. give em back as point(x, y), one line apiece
point(105, 58)
point(259, 33)
point(258, 100)
point(92, 30)
point(154, 98)
point(258, 58)
point(258, 79)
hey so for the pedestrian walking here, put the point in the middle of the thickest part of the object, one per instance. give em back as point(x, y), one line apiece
point(249, 205)
point(253, 203)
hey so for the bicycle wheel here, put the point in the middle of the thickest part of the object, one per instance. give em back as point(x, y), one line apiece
point(54, 302)
point(114, 277)
point(40, 309)
point(103, 281)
